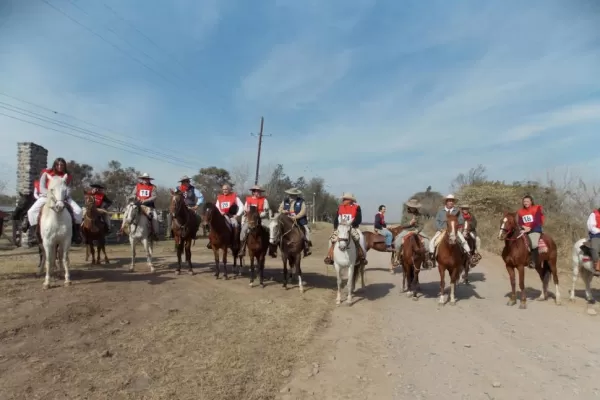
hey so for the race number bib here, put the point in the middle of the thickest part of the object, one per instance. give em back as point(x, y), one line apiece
point(346, 217)
point(144, 193)
point(225, 204)
point(527, 218)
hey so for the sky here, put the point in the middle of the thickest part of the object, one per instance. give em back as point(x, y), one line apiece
point(380, 98)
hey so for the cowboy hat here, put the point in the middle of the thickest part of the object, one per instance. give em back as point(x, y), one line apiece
point(349, 196)
point(464, 206)
point(294, 191)
point(257, 187)
point(413, 203)
point(184, 178)
point(97, 186)
point(145, 176)
point(450, 197)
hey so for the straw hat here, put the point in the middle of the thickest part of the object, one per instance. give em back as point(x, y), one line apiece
point(413, 203)
point(184, 178)
point(293, 191)
point(349, 196)
point(464, 206)
point(145, 176)
point(257, 187)
point(450, 197)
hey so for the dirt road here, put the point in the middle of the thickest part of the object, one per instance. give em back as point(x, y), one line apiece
point(388, 346)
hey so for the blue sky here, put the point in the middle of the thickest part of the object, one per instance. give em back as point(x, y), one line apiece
point(381, 98)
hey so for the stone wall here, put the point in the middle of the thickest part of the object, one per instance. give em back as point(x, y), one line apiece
point(31, 160)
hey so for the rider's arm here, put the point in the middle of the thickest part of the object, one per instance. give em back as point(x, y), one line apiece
point(358, 219)
point(473, 223)
point(542, 216)
point(591, 224)
point(43, 184)
point(440, 219)
point(199, 197)
point(152, 196)
point(240, 205)
point(377, 223)
point(267, 209)
point(461, 219)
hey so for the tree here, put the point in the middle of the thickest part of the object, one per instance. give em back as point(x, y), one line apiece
point(82, 175)
point(475, 176)
point(119, 183)
point(163, 198)
point(210, 180)
point(276, 186)
point(240, 178)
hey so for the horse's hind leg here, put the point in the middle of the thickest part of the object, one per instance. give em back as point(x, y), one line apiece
point(188, 256)
point(179, 244)
point(297, 261)
point(545, 278)
point(103, 243)
point(454, 275)
point(523, 304)
point(225, 275)
point(415, 284)
point(261, 269)
point(132, 243)
point(251, 254)
point(285, 270)
point(465, 276)
point(442, 270)
point(216, 255)
point(66, 264)
point(148, 247)
point(513, 285)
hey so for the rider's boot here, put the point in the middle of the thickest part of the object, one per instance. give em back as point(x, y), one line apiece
point(398, 258)
point(432, 259)
point(76, 234)
point(25, 225)
point(329, 259)
point(533, 255)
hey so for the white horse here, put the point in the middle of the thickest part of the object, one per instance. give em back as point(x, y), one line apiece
point(582, 264)
point(56, 227)
point(344, 256)
point(139, 231)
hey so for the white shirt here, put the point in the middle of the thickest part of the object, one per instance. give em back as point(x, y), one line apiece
point(239, 203)
point(591, 224)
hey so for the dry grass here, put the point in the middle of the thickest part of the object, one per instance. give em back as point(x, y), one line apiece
point(566, 205)
point(123, 336)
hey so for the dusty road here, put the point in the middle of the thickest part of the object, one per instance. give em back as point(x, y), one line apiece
point(387, 346)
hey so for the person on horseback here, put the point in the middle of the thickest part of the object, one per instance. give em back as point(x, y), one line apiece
point(468, 216)
point(440, 224)
point(229, 205)
point(381, 227)
point(102, 202)
point(256, 199)
point(593, 226)
point(145, 194)
point(531, 221)
point(412, 221)
point(295, 207)
point(59, 168)
point(349, 211)
point(192, 197)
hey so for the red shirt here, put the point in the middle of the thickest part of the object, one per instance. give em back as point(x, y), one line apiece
point(467, 217)
point(347, 212)
point(258, 202)
point(50, 172)
point(36, 188)
point(98, 199)
point(226, 201)
point(144, 191)
point(532, 217)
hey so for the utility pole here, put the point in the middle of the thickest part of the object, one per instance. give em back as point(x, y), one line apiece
point(260, 137)
point(314, 207)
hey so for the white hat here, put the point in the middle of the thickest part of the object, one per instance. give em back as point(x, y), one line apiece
point(450, 197)
point(293, 191)
point(257, 187)
point(184, 178)
point(413, 203)
point(349, 196)
point(145, 176)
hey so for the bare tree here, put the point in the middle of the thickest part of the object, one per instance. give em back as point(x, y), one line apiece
point(240, 178)
point(475, 176)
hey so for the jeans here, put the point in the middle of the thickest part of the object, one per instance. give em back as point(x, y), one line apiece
point(388, 236)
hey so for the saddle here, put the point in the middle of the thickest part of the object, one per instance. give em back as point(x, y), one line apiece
point(542, 246)
point(586, 249)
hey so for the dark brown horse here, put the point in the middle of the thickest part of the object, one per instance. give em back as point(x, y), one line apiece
point(376, 241)
point(291, 243)
point(413, 257)
point(222, 236)
point(257, 244)
point(184, 226)
point(450, 257)
point(516, 255)
point(93, 229)
point(472, 262)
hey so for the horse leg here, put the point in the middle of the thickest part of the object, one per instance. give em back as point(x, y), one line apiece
point(251, 254)
point(415, 283)
point(454, 276)
point(465, 276)
point(261, 269)
point(50, 256)
point(285, 269)
point(216, 255)
point(132, 243)
point(179, 243)
point(362, 276)
point(338, 272)
point(545, 278)
point(512, 300)
point(523, 304)
point(554, 271)
point(225, 263)
point(297, 261)
point(442, 270)
point(148, 247)
point(103, 242)
point(65, 262)
point(587, 280)
point(89, 248)
point(188, 255)
point(350, 284)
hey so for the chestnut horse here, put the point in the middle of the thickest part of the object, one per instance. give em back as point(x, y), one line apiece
point(516, 255)
point(222, 236)
point(450, 257)
point(413, 257)
point(184, 225)
point(257, 244)
point(376, 241)
point(93, 229)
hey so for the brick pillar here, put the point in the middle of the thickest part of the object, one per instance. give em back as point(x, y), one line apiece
point(31, 160)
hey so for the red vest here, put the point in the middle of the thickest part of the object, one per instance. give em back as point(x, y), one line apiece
point(226, 201)
point(467, 217)
point(36, 187)
point(51, 172)
point(597, 215)
point(347, 212)
point(531, 217)
point(98, 199)
point(144, 191)
point(258, 202)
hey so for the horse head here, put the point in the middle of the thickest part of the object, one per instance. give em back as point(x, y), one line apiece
point(508, 225)
point(58, 192)
point(176, 205)
point(274, 229)
point(24, 202)
point(343, 235)
point(209, 211)
point(451, 227)
point(131, 213)
point(253, 219)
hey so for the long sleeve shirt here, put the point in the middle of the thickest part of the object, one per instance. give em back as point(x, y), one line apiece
point(238, 202)
point(149, 200)
point(440, 218)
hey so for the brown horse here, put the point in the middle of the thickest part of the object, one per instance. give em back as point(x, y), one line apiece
point(450, 257)
point(222, 236)
point(376, 241)
point(93, 229)
point(184, 225)
point(291, 243)
point(516, 255)
point(413, 257)
point(257, 244)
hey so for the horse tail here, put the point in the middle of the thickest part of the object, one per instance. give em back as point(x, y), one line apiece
point(357, 269)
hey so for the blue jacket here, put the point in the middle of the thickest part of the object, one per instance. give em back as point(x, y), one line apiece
point(297, 208)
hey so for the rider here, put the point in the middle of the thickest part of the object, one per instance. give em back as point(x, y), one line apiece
point(256, 199)
point(348, 211)
point(145, 194)
point(412, 221)
point(531, 220)
point(59, 168)
point(295, 207)
point(192, 198)
point(381, 227)
point(593, 226)
point(440, 222)
point(225, 204)
point(102, 202)
point(468, 216)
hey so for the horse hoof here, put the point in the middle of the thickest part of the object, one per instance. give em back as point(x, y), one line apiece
point(409, 294)
point(177, 272)
point(46, 286)
point(452, 302)
point(338, 302)
point(415, 298)
point(190, 272)
point(251, 284)
point(522, 306)
point(541, 298)
point(67, 283)
point(262, 285)
point(130, 269)
point(558, 302)
point(511, 303)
